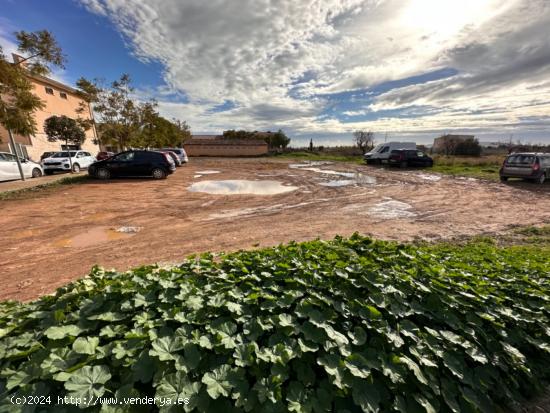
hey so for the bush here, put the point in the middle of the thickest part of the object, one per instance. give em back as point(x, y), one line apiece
point(468, 147)
point(348, 325)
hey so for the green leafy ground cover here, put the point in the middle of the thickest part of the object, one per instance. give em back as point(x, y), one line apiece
point(348, 325)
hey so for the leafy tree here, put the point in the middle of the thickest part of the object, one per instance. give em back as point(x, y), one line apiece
point(468, 147)
point(17, 100)
point(363, 140)
point(239, 134)
point(182, 132)
point(118, 114)
point(63, 128)
point(89, 93)
point(277, 140)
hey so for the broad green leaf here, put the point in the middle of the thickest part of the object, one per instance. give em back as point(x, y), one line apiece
point(217, 383)
point(165, 348)
point(60, 332)
point(88, 382)
point(85, 345)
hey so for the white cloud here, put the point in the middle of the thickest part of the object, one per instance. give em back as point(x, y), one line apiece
point(252, 52)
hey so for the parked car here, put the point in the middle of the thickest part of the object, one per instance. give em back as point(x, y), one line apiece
point(180, 152)
point(134, 163)
point(59, 161)
point(530, 166)
point(9, 169)
point(408, 157)
point(104, 155)
point(381, 153)
point(174, 157)
point(46, 155)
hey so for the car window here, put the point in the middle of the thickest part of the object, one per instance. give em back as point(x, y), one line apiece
point(521, 159)
point(2, 158)
point(64, 154)
point(385, 149)
point(87, 154)
point(125, 157)
point(8, 157)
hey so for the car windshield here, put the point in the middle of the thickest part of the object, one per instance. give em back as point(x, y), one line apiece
point(377, 148)
point(521, 159)
point(64, 155)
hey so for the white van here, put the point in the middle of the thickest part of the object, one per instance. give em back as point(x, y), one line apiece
point(381, 153)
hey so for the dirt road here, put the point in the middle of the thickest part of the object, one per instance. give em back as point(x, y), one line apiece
point(57, 236)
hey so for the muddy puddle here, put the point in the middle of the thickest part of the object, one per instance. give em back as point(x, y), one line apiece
point(351, 178)
point(429, 177)
point(391, 209)
point(97, 235)
point(241, 187)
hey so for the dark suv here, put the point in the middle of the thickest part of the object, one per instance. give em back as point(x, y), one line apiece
point(409, 157)
point(134, 163)
point(531, 166)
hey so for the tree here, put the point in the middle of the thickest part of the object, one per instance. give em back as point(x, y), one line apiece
point(17, 100)
point(311, 145)
point(118, 122)
point(468, 147)
point(63, 128)
point(363, 140)
point(277, 140)
point(182, 131)
point(89, 93)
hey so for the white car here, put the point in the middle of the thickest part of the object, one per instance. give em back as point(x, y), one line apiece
point(59, 161)
point(9, 169)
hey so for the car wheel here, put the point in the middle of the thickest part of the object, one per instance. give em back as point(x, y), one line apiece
point(403, 164)
point(503, 178)
point(76, 168)
point(103, 173)
point(36, 173)
point(158, 173)
point(541, 179)
point(48, 172)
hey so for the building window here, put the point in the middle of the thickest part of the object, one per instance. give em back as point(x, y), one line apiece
point(49, 91)
point(63, 95)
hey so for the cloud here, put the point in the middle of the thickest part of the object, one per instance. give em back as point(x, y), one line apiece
point(282, 63)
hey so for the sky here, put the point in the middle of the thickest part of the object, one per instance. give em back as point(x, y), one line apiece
point(318, 69)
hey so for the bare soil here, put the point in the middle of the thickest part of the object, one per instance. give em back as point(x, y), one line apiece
point(58, 235)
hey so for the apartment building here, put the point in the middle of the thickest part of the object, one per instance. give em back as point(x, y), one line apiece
point(59, 99)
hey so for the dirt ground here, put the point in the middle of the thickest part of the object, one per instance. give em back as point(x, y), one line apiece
point(57, 236)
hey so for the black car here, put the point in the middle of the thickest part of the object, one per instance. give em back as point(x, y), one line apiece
point(531, 166)
point(409, 157)
point(134, 163)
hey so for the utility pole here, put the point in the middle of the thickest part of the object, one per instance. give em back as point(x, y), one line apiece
point(12, 143)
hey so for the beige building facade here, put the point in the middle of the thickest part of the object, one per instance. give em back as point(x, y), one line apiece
point(59, 99)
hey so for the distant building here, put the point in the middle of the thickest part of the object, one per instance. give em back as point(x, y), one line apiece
point(446, 143)
point(59, 99)
point(217, 145)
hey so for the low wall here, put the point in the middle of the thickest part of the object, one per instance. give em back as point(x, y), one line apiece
point(226, 150)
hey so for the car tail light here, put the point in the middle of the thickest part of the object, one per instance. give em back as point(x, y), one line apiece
point(536, 166)
point(168, 159)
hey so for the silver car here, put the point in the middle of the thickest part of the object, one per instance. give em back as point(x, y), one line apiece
point(180, 152)
point(531, 166)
